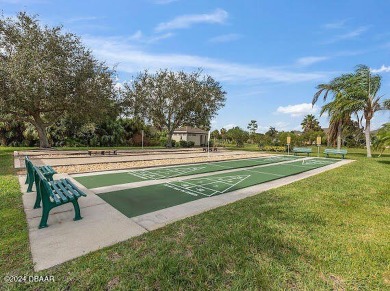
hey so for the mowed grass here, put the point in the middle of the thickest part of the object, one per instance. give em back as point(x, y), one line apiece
point(330, 231)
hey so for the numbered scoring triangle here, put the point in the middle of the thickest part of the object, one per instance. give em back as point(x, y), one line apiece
point(187, 170)
point(218, 184)
point(232, 179)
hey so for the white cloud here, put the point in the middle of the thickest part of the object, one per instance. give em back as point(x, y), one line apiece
point(225, 38)
point(382, 69)
point(347, 36)
point(298, 109)
point(307, 61)
point(335, 24)
point(353, 33)
point(281, 125)
point(139, 37)
point(219, 16)
point(131, 59)
point(262, 129)
point(156, 38)
point(229, 126)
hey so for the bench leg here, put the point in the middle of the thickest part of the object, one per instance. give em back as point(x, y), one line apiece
point(76, 206)
point(30, 185)
point(37, 201)
point(45, 216)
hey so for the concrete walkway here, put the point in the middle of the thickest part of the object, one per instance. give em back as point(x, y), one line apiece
point(103, 225)
point(65, 239)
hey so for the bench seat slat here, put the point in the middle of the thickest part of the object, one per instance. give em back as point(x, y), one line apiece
point(71, 189)
point(75, 188)
point(55, 197)
point(58, 191)
point(65, 191)
point(44, 170)
point(47, 170)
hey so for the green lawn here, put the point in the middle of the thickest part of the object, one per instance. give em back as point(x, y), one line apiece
point(330, 231)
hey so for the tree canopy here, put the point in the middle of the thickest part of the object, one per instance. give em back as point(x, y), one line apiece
point(382, 140)
point(238, 135)
point(354, 93)
point(46, 74)
point(172, 99)
point(310, 123)
point(252, 126)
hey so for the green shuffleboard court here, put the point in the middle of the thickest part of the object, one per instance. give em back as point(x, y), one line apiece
point(142, 200)
point(132, 176)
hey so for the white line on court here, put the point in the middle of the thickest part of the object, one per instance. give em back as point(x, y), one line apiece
point(202, 186)
point(119, 187)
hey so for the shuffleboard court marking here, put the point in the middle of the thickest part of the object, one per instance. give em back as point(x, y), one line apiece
point(316, 162)
point(163, 173)
point(198, 187)
point(117, 187)
point(155, 174)
point(307, 165)
point(278, 175)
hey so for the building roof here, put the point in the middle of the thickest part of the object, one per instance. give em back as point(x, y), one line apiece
point(189, 129)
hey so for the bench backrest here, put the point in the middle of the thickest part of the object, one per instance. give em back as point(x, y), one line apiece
point(43, 186)
point(29, 165)
point(302, 149)
point(335, 151)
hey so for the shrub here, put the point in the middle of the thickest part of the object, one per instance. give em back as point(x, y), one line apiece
point(272, 148)
point(183, 144)
point(163, 141)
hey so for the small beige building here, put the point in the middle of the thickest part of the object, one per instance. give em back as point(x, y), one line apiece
point(188, 133)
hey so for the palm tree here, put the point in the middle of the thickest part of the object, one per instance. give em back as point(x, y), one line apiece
point(382, 140)
point(386, 104)
point(336, 111)
point(362, 88)
point(310, 123)
point(339, 117)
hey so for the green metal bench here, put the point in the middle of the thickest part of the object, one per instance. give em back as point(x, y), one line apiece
point(47, 171)
point(296, 151)
point(328, 152)
point(56, 193)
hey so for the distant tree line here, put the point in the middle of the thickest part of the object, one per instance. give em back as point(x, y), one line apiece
point(272, 139)
point(70, 133)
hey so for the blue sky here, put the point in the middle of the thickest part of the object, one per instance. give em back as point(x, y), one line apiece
point(268, 55)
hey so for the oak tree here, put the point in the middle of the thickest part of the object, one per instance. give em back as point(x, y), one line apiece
point(171, 99)
point(46, 74)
